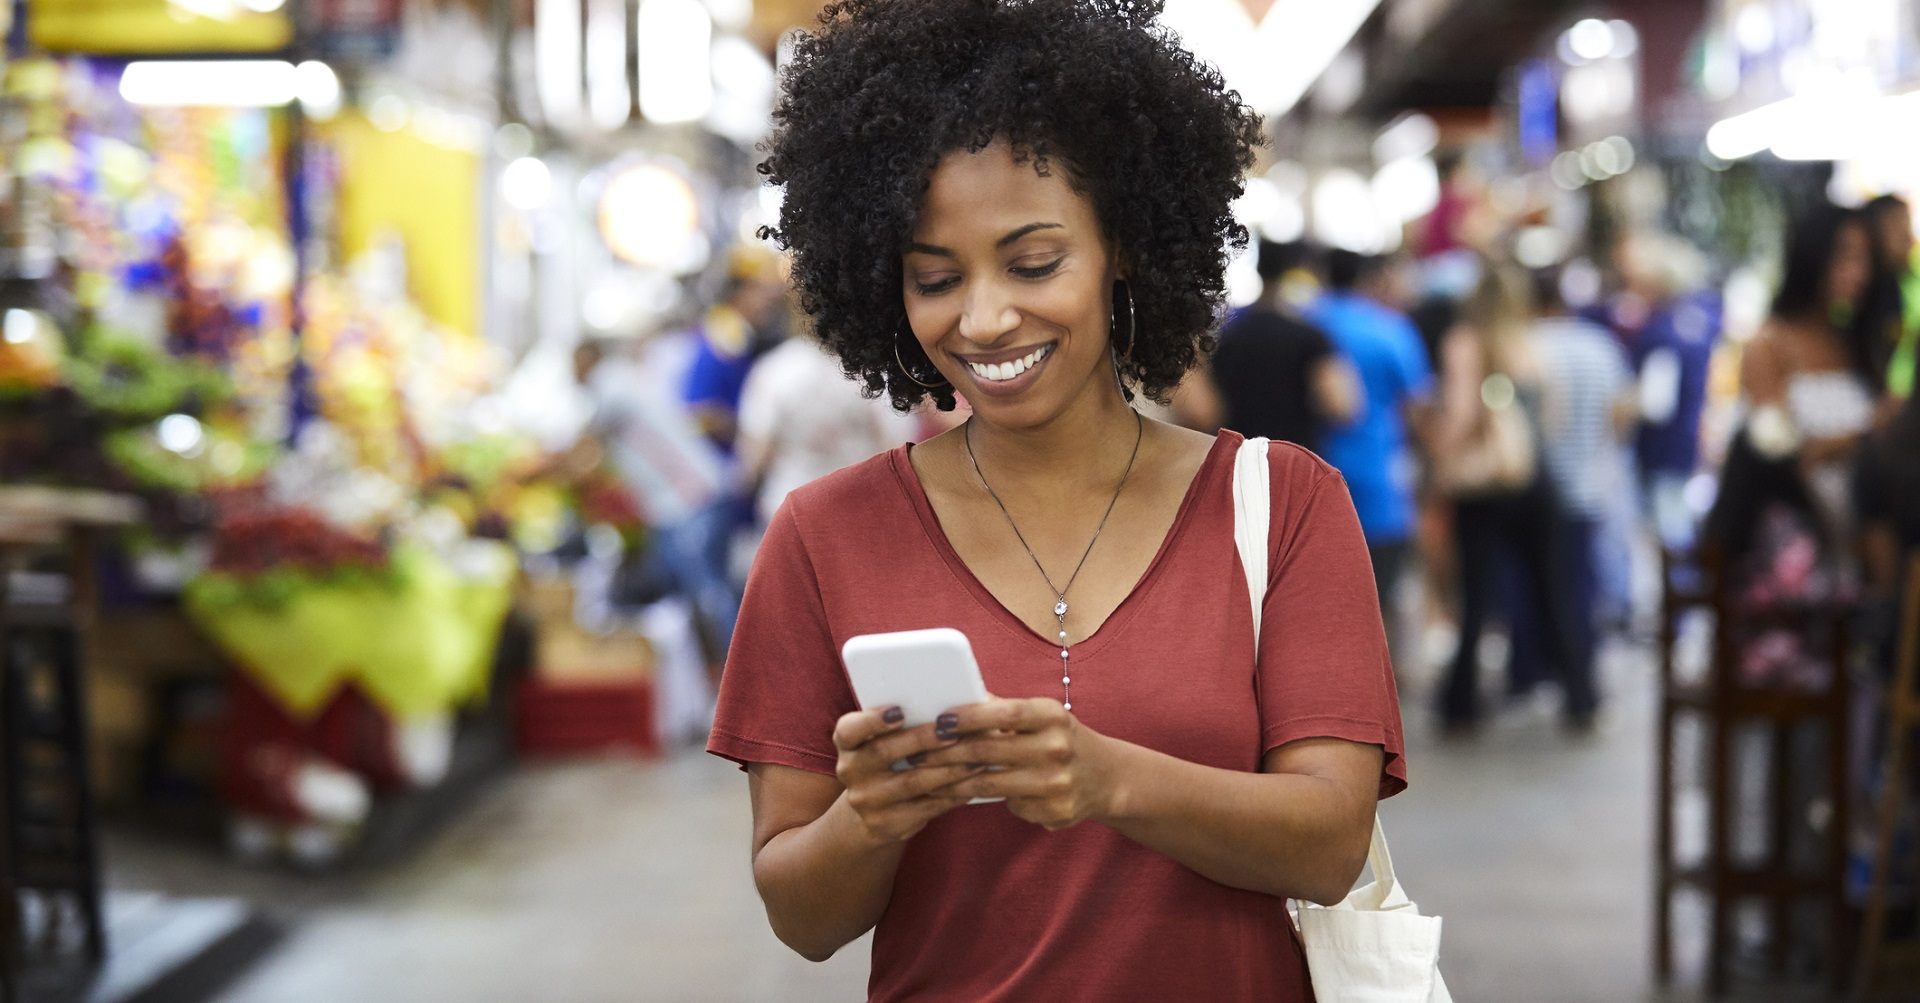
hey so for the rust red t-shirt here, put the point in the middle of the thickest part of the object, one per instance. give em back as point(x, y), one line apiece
point(986, 906)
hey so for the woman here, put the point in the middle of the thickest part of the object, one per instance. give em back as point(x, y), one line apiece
point(1807, 379)
point(1486, 445)
point(1028, 203)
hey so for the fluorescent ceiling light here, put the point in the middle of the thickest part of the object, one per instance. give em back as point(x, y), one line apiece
point(676, 60)
point(1274, 63)
point(557, 60)
point(238, 83)
point(608, 99)
point(1742, 135)
point(1841, 124)
point(318, 88)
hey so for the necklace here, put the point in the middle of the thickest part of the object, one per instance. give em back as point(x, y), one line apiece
point(1060, 594)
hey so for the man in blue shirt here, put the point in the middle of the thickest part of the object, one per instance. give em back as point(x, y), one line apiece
point(1373, 451)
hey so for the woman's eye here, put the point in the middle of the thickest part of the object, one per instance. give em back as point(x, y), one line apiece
point(1041, 271)
point(934, 288)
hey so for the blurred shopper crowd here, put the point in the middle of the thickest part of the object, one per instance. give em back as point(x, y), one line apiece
point(1547, 426)
point(1520, 442)
point(707, 427)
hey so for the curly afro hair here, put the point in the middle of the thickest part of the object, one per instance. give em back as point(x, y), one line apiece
point(882, 89)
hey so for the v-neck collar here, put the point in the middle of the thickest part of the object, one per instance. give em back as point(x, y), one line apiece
point(901, 460)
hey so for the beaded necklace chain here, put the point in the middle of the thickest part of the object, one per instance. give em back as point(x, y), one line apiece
point(1060, 606)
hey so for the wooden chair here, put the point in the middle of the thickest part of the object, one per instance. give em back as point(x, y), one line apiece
point(1878, 957)
point(1721, 703)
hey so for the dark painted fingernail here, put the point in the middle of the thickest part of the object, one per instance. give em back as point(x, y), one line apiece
point(893, 715)
point(917, 758)
point(946, 726)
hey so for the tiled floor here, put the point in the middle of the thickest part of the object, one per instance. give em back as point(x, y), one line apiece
point(615, 880)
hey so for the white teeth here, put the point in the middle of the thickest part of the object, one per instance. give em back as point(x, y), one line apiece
point(1000, 372)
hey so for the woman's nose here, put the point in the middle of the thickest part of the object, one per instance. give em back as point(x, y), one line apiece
point(987, 315)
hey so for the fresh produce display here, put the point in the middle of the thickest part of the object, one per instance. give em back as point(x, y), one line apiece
point(126, 378)
point(254, 541)
point(417, 641)
point(331, 499)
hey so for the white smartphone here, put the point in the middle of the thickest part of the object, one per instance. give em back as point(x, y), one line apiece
point(923, 672)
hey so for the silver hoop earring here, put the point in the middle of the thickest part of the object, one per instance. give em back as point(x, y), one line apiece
point(1132, 326)
point(943, 384)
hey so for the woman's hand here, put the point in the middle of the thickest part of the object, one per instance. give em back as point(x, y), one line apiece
point(1053, 770)
point(892, 792)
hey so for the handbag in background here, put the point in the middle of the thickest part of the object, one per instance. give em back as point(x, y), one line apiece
point(1500, 454)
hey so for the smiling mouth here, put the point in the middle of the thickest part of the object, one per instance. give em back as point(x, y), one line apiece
point(1001, 372)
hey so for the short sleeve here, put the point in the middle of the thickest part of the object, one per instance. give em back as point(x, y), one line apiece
point(783, 688)
point(1324, 671)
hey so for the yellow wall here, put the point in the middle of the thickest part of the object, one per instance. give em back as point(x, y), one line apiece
point(399, 182)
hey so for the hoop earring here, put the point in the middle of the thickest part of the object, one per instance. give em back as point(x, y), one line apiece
point(943, 384)
point(1114, 334)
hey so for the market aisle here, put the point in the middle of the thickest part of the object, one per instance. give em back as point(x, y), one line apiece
point(588, 881)
point(614, 880)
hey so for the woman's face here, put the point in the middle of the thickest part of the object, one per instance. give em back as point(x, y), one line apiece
point(1851, 267)
point(1007, 280)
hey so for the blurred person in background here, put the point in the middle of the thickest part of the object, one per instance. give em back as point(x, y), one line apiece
point(1783, 525)
point(1898, 281)
point(801, 419)
point(684, 486)
point(748, 319)
point(1672, 352)
point(1277, 375)
point(1809, 378)
point(1373, 449)
point(1487, 455)
point(1442, 232)
point(1300, 281)
point(1586, 410)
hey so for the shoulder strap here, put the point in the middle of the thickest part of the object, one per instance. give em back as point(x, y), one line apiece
point(1252, 511)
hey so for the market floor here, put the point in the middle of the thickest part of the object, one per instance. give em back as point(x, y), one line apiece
point(615, 880)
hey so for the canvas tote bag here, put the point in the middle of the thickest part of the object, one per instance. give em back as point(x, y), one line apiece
point(1374, 947)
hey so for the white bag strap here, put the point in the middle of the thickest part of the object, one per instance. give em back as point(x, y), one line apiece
point(1384, 893)
point(1252, 514)
point(1252, 511)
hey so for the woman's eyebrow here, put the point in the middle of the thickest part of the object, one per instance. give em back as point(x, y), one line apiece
point(1023, 231)
point(916, 247)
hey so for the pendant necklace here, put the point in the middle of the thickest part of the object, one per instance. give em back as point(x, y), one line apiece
point(1060, 594)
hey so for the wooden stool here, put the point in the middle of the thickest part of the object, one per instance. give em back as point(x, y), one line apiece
point(1877, 956)
point(1722, 702)
point(50, 819)
point(47, 825)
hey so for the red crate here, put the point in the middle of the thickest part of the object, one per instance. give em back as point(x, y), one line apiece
point(556, 718)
